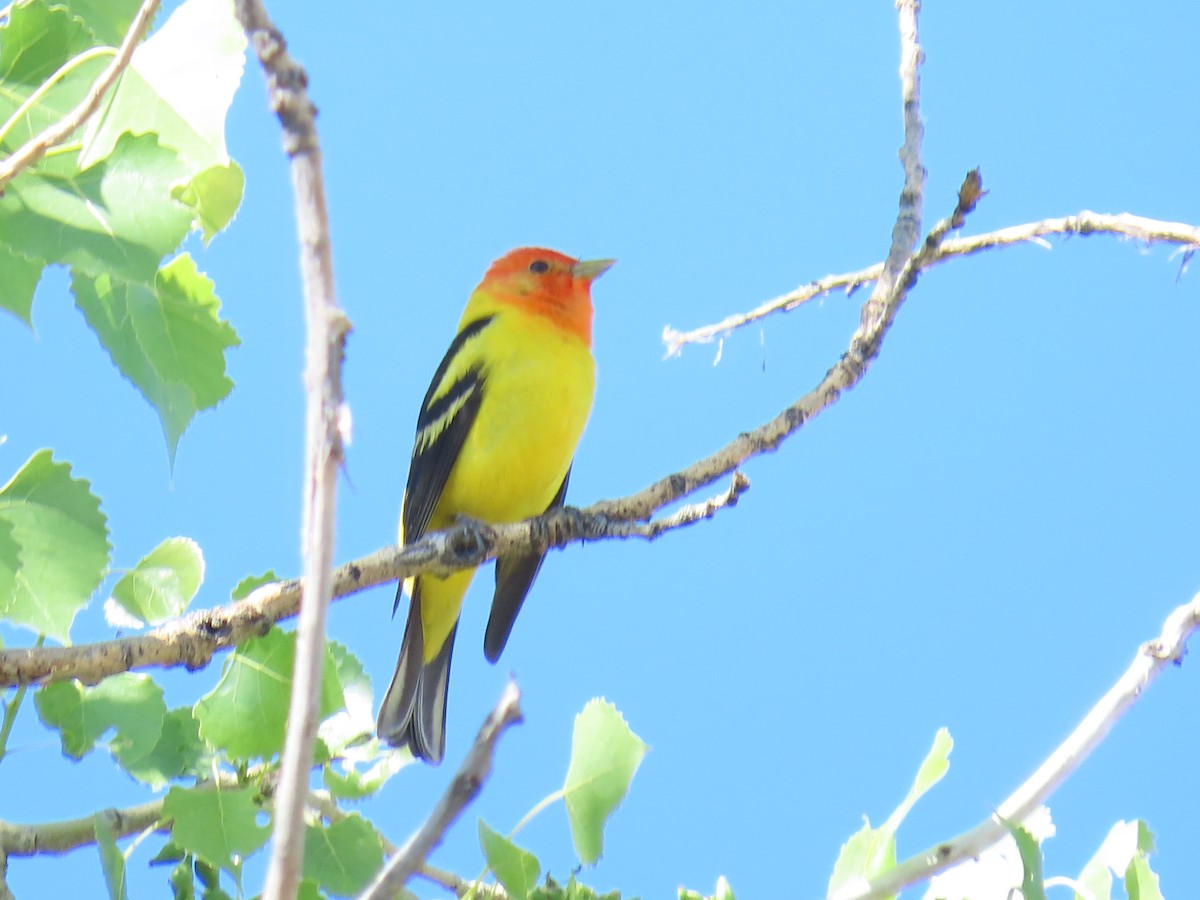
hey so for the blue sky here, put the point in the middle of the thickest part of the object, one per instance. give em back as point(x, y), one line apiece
point(979, 536)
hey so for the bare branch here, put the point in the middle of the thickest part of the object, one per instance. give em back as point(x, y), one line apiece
point(193, 639)
point(465, 787)
point(1151, 659)
point(37, 146)
point(326, 327)
point(1125, 225)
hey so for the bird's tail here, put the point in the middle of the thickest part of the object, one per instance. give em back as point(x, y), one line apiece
point(413, 713)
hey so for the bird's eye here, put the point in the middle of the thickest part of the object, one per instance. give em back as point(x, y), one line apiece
point(538, 266)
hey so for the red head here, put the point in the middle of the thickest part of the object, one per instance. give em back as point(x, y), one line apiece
point(547, 283)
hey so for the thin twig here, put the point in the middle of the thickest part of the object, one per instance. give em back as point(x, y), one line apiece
point(1151, 659)
point(465, 787)
point(1086, 222)
point(37, 146)
point(326, 327)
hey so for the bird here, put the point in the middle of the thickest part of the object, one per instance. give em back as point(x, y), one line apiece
point(495, 439)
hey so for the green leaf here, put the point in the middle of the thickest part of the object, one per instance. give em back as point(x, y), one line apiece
point(214, 195)
point(357, 763)
point(1145, 838)
point(208, 875)
point(723, 892)
point(179, 86)
point(1115, 853)
point(351, 783)
point(1033, 882)
point(182, 881)
point(215, 893)
point(19, 277)
point(36, 40)
point(605, 754)
point(10, 562)
point(178, 752)
point(56, 522)
point(218, 826)
point(515, 868)
point(115, 219)
point(870, 852)
point(168, 340)
point(344, 857)
point(1126, 845)
point(251, 583)
point(163, 582)
point(108, 20)
point(246, 713)
point(112, 860)
point(573, 890)
point(1141, 882)
point(130, 703)
point(354, 724)
point(169, 853)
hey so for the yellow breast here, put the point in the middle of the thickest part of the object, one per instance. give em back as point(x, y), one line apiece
point(539, 382)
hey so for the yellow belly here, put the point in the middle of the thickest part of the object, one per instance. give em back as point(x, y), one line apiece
point(536, 403)
point(535, 406)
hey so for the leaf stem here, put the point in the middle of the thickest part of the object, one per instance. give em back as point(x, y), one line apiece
point(63, 71)
point(538, 807)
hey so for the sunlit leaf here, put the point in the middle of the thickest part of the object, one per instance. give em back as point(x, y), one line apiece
point(179, 86)
point(515, 867)
point(605, 754)
point(163, 582)
point(250, 583)
point(218, 826)
point(130, 703)
point(343, 857)
point(169, 339)
point(246, 713)
point(19, 277)
point(871, 851)
point(178, 752)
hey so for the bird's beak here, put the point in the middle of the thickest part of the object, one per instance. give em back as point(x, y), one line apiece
point(591, 269)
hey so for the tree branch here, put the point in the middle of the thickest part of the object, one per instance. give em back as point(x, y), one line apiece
point(326, 327)
point(1151, 659)
point(193, 639)
point(37, 146)
point(70, 834)
point(1086, 223)
point(465, 787)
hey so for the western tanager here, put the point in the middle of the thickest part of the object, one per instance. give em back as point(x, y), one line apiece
point(495, 438)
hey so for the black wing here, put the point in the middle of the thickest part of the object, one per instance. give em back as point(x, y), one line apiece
point(442, 429)
point(514, 578)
